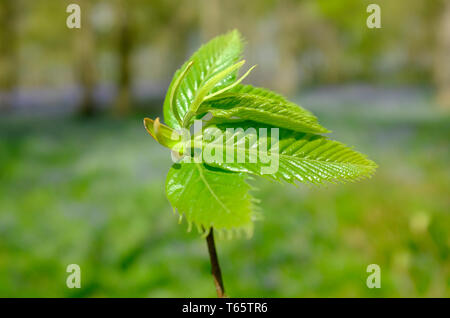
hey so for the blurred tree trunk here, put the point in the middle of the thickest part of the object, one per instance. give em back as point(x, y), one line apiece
point(125, 42)
point(442, 59)
point(9, 63)
point(287, 78)
point(85, 60)
point(174, 35)
point(210, 18)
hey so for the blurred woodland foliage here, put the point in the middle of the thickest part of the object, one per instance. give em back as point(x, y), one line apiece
point(298, 43)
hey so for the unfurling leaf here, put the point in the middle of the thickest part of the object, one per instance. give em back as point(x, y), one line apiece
point(212, 58)
point(164, 135)
point(260, 105)
point(205, 89)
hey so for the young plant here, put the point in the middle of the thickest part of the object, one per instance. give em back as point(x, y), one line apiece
point(214, 194)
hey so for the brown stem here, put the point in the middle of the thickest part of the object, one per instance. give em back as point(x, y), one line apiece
point(215, 267)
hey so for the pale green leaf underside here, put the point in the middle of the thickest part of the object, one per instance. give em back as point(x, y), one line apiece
point(302, 157)
point(209, 197)
point(212, 58)
point(245, 102)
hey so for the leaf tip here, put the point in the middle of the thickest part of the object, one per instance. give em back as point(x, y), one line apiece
point(148, 124)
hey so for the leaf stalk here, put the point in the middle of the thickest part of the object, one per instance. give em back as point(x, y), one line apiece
point(215, 267)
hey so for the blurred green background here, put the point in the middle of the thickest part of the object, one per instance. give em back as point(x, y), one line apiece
point(82, 182)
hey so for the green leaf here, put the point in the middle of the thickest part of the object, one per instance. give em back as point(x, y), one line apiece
point(205, 89)
point(260, 105)
point(212, 58)
point(208, 197)
point(301, 157)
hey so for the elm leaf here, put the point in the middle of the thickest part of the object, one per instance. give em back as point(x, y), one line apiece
point(261, 105)
point(212, 58)
point(210, 197)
